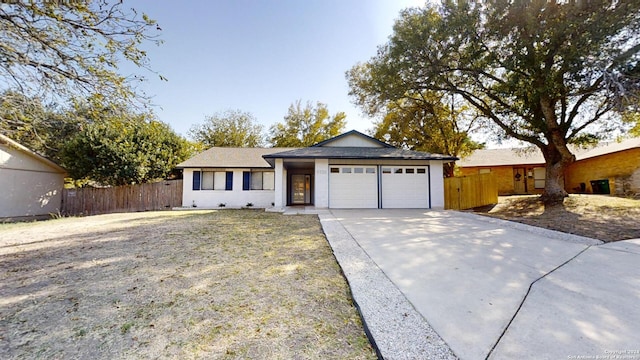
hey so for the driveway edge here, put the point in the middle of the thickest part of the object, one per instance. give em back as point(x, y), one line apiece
point(394, 327)
point(553, 234)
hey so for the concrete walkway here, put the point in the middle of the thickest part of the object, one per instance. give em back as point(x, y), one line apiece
point(441, 284)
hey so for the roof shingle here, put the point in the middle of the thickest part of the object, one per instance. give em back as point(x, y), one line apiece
point(229, 157)
point(533, 156)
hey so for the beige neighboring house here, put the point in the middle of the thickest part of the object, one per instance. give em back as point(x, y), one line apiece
point(30, 185)
point(610, 168)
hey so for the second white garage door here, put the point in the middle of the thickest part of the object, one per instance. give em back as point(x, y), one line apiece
point(405, 187)
point(353, 187)
point(356, 187)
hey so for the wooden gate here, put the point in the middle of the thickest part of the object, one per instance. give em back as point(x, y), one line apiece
point(467, 192)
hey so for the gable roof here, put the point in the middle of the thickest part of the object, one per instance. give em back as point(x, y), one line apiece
point(386, 153)
point(334, 148)
point(227, 157)
point(503, 157)
point(608, 148)
point(533, 155)
point(14, 144)
point(231, 157)
point(334, 139)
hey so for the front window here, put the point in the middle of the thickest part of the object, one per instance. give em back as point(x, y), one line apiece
point(212, 180)
point(259, 180)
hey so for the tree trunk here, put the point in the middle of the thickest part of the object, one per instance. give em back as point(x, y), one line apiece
point(558, 158)
point(448, 169)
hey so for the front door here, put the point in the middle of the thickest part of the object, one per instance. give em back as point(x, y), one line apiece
point(519, 181)
point(300, 189)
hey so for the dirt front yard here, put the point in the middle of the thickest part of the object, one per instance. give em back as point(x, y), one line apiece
point(232, 284)
point(602, 217)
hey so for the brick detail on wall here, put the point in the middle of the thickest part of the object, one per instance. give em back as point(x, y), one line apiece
point(622, 169)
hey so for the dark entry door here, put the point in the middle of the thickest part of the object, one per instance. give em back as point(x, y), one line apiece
point(300, 189)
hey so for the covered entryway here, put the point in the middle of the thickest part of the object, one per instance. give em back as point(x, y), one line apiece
point(405, 187)
point(353, 187)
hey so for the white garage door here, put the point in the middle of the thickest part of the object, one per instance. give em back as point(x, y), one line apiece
point(405, 187)
point(353, 187)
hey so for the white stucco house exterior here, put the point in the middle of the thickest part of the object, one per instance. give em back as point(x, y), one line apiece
point(30, 185)
point(349, 171)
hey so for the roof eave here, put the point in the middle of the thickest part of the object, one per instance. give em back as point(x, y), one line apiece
point(347, 157)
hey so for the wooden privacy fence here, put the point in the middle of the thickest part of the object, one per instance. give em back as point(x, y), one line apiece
point(470, 191)
point(129, 198)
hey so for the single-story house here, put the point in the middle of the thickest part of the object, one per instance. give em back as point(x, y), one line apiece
point(608, 168)
point(351, 170)
point(30, 185)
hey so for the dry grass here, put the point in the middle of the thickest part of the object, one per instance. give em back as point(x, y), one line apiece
point(206, 284)
point(607, 218)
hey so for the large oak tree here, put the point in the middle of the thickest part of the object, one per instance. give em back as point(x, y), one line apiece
point(73, 49)
point(546, 72)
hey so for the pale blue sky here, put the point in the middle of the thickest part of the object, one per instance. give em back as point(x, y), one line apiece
point(261, 56)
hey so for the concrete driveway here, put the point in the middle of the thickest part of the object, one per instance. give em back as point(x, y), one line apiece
point(492, 289)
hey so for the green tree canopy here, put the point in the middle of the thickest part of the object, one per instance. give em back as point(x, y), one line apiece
point(232, 128)
point(41, 127)
point(427, 123)
point(120, 148)
point(305, 126)
point(545, 72)
point(66, 49)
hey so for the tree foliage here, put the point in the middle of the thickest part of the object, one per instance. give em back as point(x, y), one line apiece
point(633, 118)
point(41, 127)
point(120, 148)
point(306, 126)
point(232, 128)
point(69, 49)
point(427, 123)
point(545, 72)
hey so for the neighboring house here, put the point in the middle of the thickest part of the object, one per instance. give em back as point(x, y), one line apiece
point(30, 185)
point(609, 168)
point(351, 170)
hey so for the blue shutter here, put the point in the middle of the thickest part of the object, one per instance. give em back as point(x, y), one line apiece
point(229, 182)
point(196, 180)
point(246, 180)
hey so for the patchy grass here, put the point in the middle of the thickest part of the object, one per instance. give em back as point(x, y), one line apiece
point(229, 284)
point(607, 218)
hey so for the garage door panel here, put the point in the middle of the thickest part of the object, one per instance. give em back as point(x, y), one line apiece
point(405, 187)
point(353, 187)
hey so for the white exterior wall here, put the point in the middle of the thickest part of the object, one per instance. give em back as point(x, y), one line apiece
point(436, 175)
point(280, 195)
point(28, 187)
point(321, 183)
point(234, 198)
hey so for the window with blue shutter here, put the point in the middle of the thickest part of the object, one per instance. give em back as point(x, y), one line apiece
point(246, 180)
point(196, 180)
point(229, 181)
